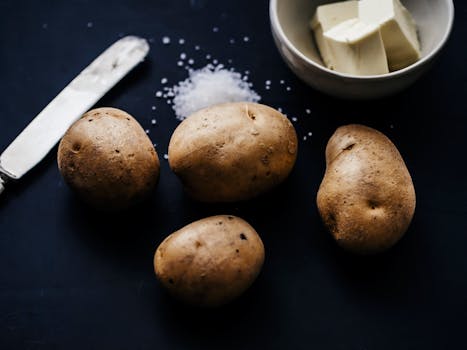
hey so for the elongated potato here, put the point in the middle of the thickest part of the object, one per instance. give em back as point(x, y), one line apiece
point(232, 152)
point(211, 261)
point(367, 198)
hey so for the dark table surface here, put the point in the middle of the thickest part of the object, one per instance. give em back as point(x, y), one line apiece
point(71, 278)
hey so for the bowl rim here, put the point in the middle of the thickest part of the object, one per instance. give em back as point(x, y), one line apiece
point(277, 27)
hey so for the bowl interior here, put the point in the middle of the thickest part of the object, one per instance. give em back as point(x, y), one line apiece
point(433, 18)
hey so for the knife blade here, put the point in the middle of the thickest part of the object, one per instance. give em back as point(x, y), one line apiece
point(48, 127)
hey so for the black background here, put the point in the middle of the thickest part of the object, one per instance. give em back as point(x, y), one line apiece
point(71, 278)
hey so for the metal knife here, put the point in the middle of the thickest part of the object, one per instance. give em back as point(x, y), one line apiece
point(33, 144)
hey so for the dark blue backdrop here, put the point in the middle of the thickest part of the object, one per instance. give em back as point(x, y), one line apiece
point(71, 278)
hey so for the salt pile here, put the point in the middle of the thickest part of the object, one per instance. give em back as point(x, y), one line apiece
point(209, 86)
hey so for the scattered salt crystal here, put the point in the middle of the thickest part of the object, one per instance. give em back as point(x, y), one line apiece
point(247, 72)
point(159, 94)
point(191, 61)
point(154, 144)
point(232, 41)
point(246, 39)
point(310, 133)
point(147, 131)
point(166, 40)
point(166, 156)
point(164, 81)
point(288, 88)
point(215, 29)
point(215, 62)
point(183, 56)
point(391, 126)
point(153, 108)
point(282, 82)
point(208, 86)
point(208, 57)
point(153, 121)
point(181, 41)
point(304, 138)
point(268, 82)
point(90, 24)
point(294, 119)
point(230, 61)
point(180, 63)
point(308, 111)
point(267, 87)
point(197, 48)
point(279, 109)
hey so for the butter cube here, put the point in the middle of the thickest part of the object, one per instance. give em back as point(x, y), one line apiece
point(398, 30)
point(327, 17)
point(356, 47)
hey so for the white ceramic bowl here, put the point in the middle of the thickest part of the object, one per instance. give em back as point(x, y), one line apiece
point(292, 34)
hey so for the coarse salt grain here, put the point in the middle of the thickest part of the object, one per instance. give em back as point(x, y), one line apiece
point(181, 41)
point(209, 86)
point(153, 121)
point(164, 81)
point(166, 40)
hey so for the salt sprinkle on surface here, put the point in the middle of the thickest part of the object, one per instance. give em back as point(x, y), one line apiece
point(209, 86)
point(166, 40)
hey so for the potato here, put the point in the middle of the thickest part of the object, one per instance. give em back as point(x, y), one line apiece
point(108, 159)
point(367, 198)
point(232, 152)
point(211, 261)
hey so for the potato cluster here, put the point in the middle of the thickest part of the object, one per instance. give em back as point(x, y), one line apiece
point(234, 152)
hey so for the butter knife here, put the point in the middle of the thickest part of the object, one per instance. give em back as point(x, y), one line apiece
point(46, 129)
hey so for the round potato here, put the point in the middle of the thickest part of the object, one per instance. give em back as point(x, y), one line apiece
point(232, 152)
point(108, 159)
point(367, 198)
point(211, 261)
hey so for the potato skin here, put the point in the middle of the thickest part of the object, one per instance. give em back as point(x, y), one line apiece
point(108, 159)
point(211, 261)
point(367, 198)
point(232, 152)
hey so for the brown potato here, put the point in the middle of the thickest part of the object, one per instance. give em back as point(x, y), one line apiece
point(367, 198)
point(108, 159)
point(232, 152)
point(211, 261)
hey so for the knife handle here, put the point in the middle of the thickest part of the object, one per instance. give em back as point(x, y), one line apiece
point(2, 184)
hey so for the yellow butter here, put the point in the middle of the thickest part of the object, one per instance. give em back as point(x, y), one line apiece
point(398, 30)
point(355, 47)
point(327, 17)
